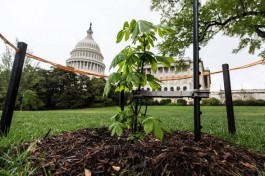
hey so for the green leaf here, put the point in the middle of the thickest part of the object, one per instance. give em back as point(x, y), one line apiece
point(160, 33)
point(135, 78)
point(151, 42)
point(127, 35)
point(153, 64)
point(170, 59)
point(135, 32)
point(117, 59)
point(132, 24)
point(129, 78)
point(116, 128)
point(156, 125)
point(154, 85)
point(164, 127)
point(119, 36)
point(145, 26)
point(163, 60)
point(148, 127)
point(158, 132)
point(150, 77)
point(115, 116)
point(126, 25)
point(107, 88)
point(114, 77)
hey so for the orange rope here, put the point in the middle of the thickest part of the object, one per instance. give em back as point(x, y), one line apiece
point(70, 69)
point(10, 44)
point(261, 61)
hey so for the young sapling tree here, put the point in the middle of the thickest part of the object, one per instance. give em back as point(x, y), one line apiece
point(130, 77)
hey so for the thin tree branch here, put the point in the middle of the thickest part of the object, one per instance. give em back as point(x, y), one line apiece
point(232, 18)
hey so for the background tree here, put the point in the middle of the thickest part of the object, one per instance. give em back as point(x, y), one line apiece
point(244, 19)
point(28, 82)
point(51, 89)
point(31, 86)
point(5, 70)
point(181, 65)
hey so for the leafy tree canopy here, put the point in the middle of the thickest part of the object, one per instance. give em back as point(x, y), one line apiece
point(244, 19)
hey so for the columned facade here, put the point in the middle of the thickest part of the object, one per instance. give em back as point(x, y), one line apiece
point(87, 55)
point(164, 73)
point(181, 84)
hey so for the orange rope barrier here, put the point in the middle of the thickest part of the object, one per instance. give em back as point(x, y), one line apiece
point(10, 44)
point(70, 69)
point(261, 61)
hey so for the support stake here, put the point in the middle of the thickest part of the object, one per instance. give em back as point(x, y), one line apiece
point(196, 72)
point(228, 100)
point(12, 91)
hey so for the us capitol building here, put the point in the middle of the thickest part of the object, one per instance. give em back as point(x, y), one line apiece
point(87, 56)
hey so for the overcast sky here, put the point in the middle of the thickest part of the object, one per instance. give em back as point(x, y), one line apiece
point(52, 28)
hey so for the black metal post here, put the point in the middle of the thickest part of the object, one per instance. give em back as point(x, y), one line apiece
point(196, 72)
point(13, 89)
point(121, 100)
point(228, 100)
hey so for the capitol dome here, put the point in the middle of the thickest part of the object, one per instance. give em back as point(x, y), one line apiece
point(87, 55)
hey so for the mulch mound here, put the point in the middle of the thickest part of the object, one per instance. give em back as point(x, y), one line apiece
point(95, 152)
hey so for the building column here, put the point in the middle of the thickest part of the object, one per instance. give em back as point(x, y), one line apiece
point(87, 65)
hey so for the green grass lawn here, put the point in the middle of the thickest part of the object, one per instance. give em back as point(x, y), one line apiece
point(250, 123)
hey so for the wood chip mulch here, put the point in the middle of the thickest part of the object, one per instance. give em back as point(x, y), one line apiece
point(95, 152)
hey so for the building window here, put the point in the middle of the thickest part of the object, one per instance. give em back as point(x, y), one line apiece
point(171, 88)
point(149, 71)
point(165, 88)
point(178, 88)
point(148, 89)
point(184, 88)
point(160, 69)
point(172, 68)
